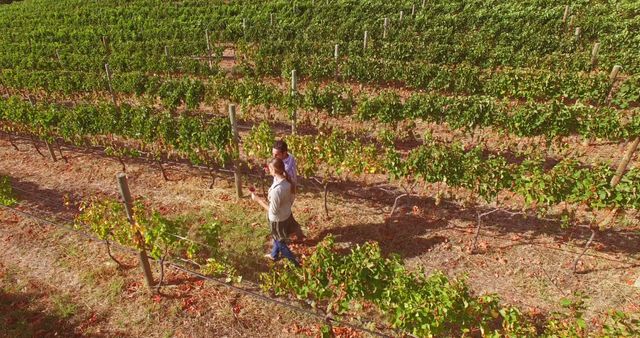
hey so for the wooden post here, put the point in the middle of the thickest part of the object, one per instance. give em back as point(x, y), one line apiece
point(366, 37)
point(401, 14)
point(167, 58)
point(128, 207)
point(113, 94)
point(59, 59)
point(244, 24)
point(105, 43)
point(567, 11)
point(413, 10)
point(594, 54)
point(335, 57)
point(294, 81)
point(577, 32)
point(236, 149)
point(614, 74)
point(612, 80)
point(384, 28)
point(271, 18)
point(294, 88)
point(206, 35)
point(571, 18)
point(622, 166)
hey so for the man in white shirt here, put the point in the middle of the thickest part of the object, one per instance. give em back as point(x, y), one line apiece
point(281, 151)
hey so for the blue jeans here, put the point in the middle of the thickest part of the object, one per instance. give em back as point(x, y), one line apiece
point(280, 247)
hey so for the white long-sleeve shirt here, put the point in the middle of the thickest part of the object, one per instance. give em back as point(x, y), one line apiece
point(291, 168)
point(280, 200)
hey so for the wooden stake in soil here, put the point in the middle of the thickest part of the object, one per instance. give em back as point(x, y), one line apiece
point(567, 11)
point(413, 10)
point(59, 59)
point(128, 207)
point(366, 38)
point(167, 58)
point(113, 94)
point(209, 56)
point(271, 19)
point(571, 18)
point(624, 162)
point(384, 28)
point(577, 33)
point(294, 91)
point(105, 43)
point(335, 57)
point(401, 15)
point(236, 149)
point(622, 166)
point(612, 80)
point(614, 74)
point(594, 54)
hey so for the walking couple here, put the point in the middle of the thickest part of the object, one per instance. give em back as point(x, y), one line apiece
point(279, 201)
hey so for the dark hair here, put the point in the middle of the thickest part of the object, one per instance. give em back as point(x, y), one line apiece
point(278, 167)
point(281, 146)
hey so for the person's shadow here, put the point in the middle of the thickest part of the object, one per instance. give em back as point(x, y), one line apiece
point(407, 233)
